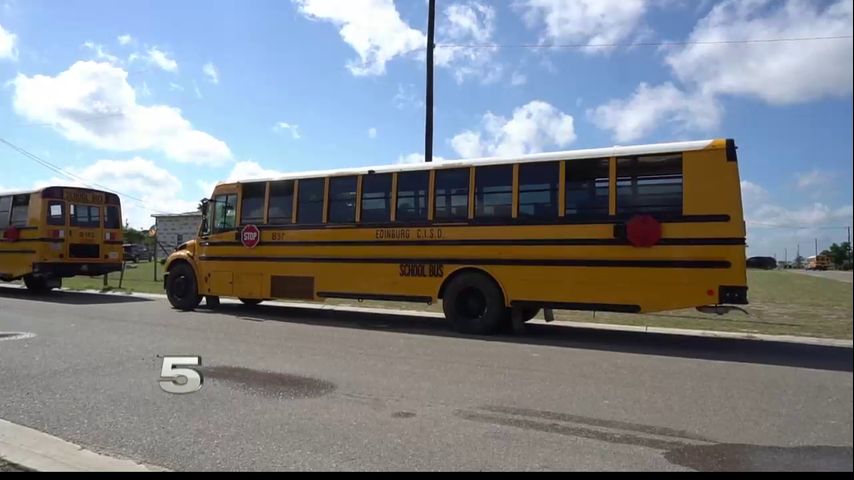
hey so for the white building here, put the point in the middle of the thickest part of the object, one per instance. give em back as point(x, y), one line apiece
point(175, 229)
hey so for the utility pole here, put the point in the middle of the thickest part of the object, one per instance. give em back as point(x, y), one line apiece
point(428, 127)
point(816, 247)
point(849, 246)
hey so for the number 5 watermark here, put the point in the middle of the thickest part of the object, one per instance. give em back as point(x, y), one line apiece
point(181, 380)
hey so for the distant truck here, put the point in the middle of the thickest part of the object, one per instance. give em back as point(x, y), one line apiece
point(763, 263)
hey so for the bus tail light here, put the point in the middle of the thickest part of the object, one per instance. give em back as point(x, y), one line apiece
point(108, 236)
point(57, 234)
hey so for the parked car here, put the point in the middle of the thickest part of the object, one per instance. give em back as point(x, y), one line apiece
point(135, 252)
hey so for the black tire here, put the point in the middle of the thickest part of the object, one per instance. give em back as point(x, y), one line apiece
point(474, 304)
point(36, 284)
point(529, 313)
point(251, 302)
point(182, 288)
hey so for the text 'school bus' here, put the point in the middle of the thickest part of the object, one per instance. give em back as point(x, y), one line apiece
point(624, 229)
point(59, 232)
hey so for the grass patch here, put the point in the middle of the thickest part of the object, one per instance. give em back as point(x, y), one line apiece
point(138, 277)
point(781, 303)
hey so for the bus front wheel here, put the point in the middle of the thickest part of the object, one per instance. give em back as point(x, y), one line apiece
point(181, 287)
point(474, 304)
point(251, 302)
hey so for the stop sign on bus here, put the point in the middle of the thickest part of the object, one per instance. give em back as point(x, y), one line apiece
point(250, 236)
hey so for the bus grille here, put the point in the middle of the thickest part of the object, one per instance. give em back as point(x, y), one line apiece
point(81, 250)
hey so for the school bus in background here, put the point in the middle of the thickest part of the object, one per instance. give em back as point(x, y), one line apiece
point(819, 262)
point(58, 232)
point(625, 229)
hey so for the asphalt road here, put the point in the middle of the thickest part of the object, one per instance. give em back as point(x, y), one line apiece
point(291, 389)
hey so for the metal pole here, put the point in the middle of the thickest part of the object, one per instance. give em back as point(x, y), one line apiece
point(849, 246)
point(428, 127)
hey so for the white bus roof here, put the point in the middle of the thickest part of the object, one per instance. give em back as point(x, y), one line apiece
point(615, 151)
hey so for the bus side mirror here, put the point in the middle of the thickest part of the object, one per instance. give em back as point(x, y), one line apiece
point(204, 206)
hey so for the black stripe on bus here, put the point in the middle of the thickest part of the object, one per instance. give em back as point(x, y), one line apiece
point(17, 251)
point(113, 242)
point(479, 242)
point(546, 262)
point(20, 228)
point(504, 222)
point(599, 307)
point(373, 296)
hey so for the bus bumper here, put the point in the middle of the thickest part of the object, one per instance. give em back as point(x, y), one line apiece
point(74, 269)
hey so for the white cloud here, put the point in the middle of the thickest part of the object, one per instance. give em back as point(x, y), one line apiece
point(752, 195)
point(144, 91)
point(590, 22)
point(373, 28)
point(776, 72)
point(249, 170)
point(282, 127)
point(468, 23)
point(211, 73)
point(8, 45)
point(518, 78)
point(100, 53)
point(175, 87)
point(814, 179)
point(125, 39)
point(372, 133)
point(156, 189)
point(650, 107)
point(532, 128)
point(92, 103)
point(196, 90)
point(407, 97)
point(158, 58)
point(414, 158)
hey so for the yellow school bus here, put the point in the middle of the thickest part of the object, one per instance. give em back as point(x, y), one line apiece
point(626, 229)
point(58, 232)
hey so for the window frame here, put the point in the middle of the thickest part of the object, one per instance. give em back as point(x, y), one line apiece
point(243, 197)
point(638, 183)
point(415, 198)
point(301, 190)
point(387, 197)
point(451, 196)
point(215, 227)
point(290, 210)
point(601, 211)
point(480, 196)
point(330, 201)
point(72, 215)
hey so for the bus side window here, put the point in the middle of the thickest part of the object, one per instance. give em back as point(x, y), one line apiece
point(20, 209)
point(281, 202)
point(376, 198)
point(252, 205)
point(493, 191)
point(412, 196)
point(539, 190)
point(587, 187)
point(342, 200)
point(224, 213)
point(56, 213)
point(5, 206)
point(310, 202)
point(452, 194)
point(651, 185)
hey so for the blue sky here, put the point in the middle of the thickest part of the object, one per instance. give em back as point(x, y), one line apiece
point(161, 99)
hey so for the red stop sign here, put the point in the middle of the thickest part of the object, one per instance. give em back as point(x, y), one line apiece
point(250, 236)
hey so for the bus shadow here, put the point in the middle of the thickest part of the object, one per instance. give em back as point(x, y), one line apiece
point(67, 297)
point(817, 357)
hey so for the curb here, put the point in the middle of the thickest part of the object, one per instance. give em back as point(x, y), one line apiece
point(816, 341)
point(35, 450)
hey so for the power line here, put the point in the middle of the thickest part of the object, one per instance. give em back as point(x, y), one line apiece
point(641, 44)
point(751, 223)
point(27, 154)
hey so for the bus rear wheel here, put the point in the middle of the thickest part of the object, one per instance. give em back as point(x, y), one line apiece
point(474, 304)
point(251, 302)
point(37, 284)
point(181, 287)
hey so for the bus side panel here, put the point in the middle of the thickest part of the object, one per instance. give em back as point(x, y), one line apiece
point(711, 185)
